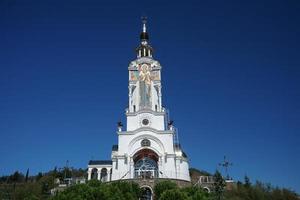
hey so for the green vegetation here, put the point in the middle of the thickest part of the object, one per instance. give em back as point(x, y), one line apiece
point(95, 190)
point(258, 191)
point(219, 186)
point(20, 187)
point(17, 186)
point(163, 186)
point(241, 191)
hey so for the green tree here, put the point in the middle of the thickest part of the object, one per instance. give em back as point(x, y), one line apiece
point(162, 186)
point(195, 193)
point(46, 183)
point(76, 192)
point(39, 176)
point(173, 194)
point(16, 177)
point(95, 190)
point(259, 191)
point(79, 172)
point(247, 183)
point(219, 185)
point(27, 191)
point(27, 174)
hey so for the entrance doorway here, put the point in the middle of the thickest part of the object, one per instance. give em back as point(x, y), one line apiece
point(146, 193)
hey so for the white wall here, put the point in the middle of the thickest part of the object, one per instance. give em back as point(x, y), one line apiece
point(161, 143)
point(134, 121)
point(171, 163)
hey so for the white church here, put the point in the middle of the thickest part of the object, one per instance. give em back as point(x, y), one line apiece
point(147, 148)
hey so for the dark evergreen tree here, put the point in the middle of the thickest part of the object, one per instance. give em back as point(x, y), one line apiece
point(39, 176)
point(219, 185)
point(16, 177)
point(27, 174)
point(247, 182)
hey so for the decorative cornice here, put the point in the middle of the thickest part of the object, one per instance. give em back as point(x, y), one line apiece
point(182, 158)
point(154, 63)
point(156, 113)
point(145, 129)
point(100, 166)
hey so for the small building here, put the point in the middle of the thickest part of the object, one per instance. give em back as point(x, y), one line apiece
point(100, 170)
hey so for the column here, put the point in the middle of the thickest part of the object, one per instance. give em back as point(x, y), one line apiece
point(131, 163)
point(108, 174)
point(159, 98)
point(130, 97)
point(99, 173)
point(160, 167)
point(89, 174)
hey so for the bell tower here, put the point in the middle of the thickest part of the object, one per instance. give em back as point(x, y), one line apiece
point(144, 85)
point(147, 148)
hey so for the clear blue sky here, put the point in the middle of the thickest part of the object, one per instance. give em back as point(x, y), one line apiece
point(231, 80)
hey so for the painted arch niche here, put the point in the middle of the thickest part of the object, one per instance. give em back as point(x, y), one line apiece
point(145, 164)
point(139, 143)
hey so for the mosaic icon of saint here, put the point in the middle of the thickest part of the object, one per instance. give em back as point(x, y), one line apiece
point(145, 85)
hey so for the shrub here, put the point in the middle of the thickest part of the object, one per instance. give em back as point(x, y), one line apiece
point(173, 194)
point(162, 186)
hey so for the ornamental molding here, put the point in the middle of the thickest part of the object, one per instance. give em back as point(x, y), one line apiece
point(156, 113)
point(100, 166)
point(145, 117)
point(132, 151)
point(181, 158)
point(144, 129)
point(155, 65)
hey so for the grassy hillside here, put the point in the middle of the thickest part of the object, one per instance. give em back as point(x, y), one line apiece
point(18, 186)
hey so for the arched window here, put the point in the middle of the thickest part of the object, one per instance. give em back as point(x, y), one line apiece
point(146, 168)
point(145, 164)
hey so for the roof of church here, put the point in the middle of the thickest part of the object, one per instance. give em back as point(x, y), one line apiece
point(100, 162)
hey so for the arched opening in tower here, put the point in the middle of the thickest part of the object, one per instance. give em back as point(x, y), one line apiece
point(94, 173)
point(145, 164)
point(103, 175)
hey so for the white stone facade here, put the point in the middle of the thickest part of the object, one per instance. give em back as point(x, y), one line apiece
point(146, 148)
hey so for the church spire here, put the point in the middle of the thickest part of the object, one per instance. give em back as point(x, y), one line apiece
point(144, 50)
point(144, 35)
point(144, 20)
